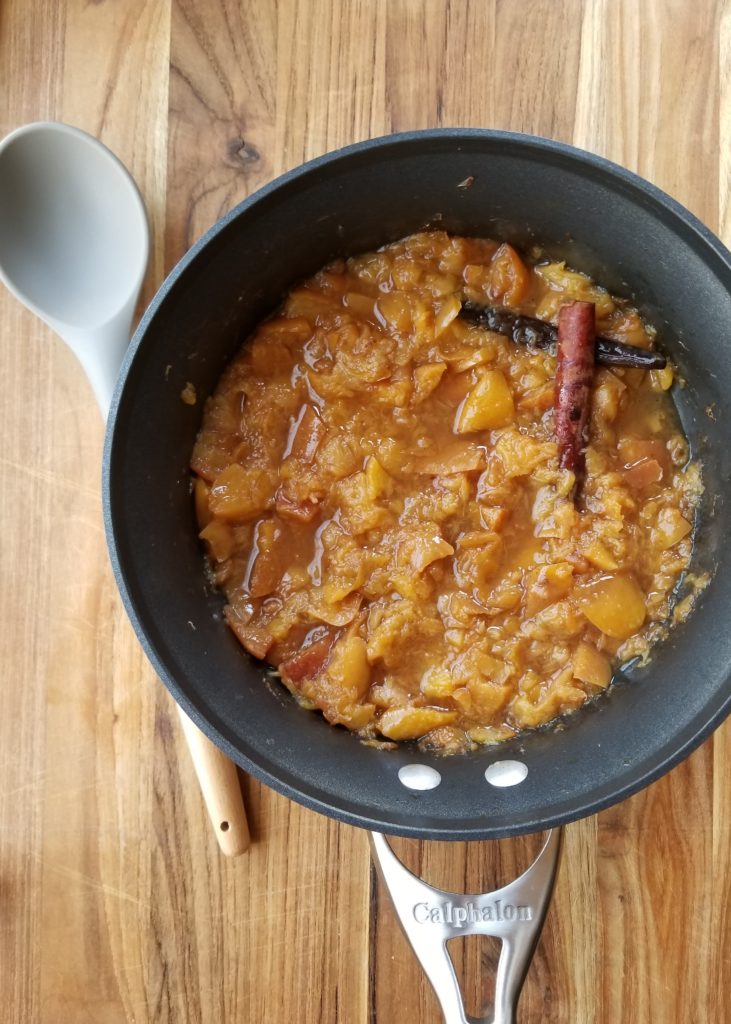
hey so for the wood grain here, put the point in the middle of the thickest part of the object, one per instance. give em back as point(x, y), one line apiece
point(115, 905)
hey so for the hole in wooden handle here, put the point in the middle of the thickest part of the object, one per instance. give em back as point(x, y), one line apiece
point(223, 826)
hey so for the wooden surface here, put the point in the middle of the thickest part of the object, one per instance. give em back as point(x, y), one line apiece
point(115, 904)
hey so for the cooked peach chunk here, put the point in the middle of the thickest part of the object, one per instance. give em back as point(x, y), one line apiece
point(480, 700)
point(290, 508)
point(594, 551)
point(426, 380)
point(569, 284)
point(309, 661)
point(520, 455)
point(395, 311)
point(671, 528)
point(545, 585)
point(447, 312)
point(662, 380)
point(426, 547)
point(304, 303)
point(411, 723)
point(560, 697)
point(361, 305)
point(509, 277)
point(378, 483)
point(219, 540)
point(633, 450)
point(591, 666)
point(201, 491)
point(643, 474)
point(456, 457)
point(268, 565)
point(255, 640)
point(241, 494)
point(489, 404)
point(437, 683)
point(615, 605)
point(348, 668)
point(307, 434)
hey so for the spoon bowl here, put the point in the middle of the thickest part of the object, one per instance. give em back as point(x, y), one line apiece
point(74, 241)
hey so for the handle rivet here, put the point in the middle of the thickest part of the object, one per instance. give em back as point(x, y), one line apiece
point(506, 773)
point(419, 776)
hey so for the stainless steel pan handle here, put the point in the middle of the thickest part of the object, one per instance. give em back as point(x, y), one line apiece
point(430, 917)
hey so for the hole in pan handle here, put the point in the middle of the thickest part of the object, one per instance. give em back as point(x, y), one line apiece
point(430, 917)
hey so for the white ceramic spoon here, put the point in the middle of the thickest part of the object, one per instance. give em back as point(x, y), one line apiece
point(74, 245)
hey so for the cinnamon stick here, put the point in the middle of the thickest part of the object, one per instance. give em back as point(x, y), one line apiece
point(574, 371)
point(528, 330)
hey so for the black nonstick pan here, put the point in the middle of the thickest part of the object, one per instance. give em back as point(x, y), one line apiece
point(602, 219)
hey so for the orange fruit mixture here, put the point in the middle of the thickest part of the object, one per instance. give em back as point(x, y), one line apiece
point(378, 491)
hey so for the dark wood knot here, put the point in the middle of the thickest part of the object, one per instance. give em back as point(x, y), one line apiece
point(243, 152)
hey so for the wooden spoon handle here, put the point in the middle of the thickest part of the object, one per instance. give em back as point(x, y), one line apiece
point(219, 784)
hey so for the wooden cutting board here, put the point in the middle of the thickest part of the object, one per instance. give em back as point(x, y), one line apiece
point(114, 902)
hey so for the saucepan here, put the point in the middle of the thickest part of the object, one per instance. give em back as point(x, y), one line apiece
point(601, 219)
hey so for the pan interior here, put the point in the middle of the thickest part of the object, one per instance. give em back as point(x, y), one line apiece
point(626, 235)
